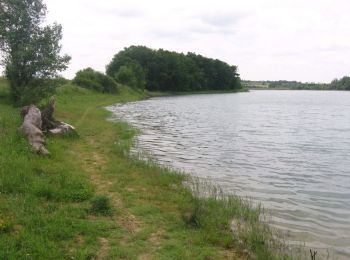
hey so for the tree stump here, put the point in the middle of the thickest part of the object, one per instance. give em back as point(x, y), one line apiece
point(50, 124)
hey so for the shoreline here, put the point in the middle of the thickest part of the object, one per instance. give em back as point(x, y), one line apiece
point(308, 245)
point(189, 93)
point(151, 212)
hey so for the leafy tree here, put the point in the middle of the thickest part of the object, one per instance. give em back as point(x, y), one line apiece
point(284, 84)
point(170, 71)
point(30, 51)
point(341, 84)
point(126, 76)
point(132, 75)
point(91, 79)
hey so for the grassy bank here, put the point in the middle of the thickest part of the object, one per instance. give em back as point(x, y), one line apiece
point(90, 200)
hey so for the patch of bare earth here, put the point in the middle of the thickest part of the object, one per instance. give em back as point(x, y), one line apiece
point(104, 249)
point(145, 257)
point(230, 255)
point(130, 223)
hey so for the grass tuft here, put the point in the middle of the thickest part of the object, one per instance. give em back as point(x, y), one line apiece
point(101, 205)
point(231, 222)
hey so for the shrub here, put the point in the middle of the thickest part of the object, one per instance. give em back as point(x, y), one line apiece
point(36, 91)
point(101, 205)
point(5, 225)
point(91, 79)
point(39, 90)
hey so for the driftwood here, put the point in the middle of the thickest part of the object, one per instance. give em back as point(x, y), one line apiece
point(35, 123)
point(31, 128)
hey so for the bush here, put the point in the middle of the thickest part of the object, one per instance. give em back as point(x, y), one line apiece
point(37, 91)
point(101, 205)
point(91, 79)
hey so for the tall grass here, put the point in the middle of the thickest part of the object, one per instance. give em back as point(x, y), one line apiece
point(233, 222)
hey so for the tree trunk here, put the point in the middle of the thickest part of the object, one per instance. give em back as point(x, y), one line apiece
point(35, 123)
point(50, 124)
point(31, 128)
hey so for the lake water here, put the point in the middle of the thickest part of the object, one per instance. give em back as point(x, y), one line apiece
point(289, 150)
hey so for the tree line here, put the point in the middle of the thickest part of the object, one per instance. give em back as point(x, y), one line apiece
point(162, 70)
point(341, 84)
point(337, 84)
point(284, 84)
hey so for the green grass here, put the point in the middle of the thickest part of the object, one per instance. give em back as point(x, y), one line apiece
point(91, 199)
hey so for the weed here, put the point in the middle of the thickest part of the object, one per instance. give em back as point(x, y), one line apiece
point(101, 205)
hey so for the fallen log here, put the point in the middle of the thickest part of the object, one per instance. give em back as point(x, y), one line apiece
point(36, 123)
point(31, 128)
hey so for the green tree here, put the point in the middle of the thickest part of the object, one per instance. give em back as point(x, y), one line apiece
point(30, 51)
point(126, 76)
point(132, 75)
point(341, 84)
point(170, 71)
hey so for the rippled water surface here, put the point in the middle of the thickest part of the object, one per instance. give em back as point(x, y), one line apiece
point(289, 150)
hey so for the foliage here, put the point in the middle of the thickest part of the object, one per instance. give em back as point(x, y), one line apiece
point(132, 75)
point(341, 84)
point(101, 205)
point(284, 84)
point(337, 84)
point(91, 79)
point(170, 71)
point(30, 50)
point(36, 91)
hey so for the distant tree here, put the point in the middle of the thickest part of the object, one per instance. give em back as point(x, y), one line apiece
point(341, 84)
point(91, 79)
point(30, 51)
point(170, 71)
point(132, 75)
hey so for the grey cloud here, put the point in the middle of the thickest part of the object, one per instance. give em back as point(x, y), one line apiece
point(334, 48)
point(220, 23)
point(315, 50)
point(127, 13)
point(189, 32)
point(217, 30)
point(173, 34)
point(121, 11)
point(221, 19)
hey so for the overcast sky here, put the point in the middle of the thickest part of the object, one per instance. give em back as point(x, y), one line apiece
point(267, 39)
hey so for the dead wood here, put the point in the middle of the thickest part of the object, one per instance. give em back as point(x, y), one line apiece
point(31, 128)
point(50, 124)
point(35, 123)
